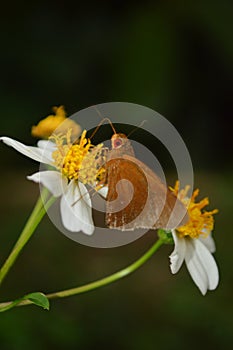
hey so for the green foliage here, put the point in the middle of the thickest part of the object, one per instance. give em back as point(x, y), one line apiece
point(36, 298)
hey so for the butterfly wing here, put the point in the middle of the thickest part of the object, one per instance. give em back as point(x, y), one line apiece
point(137, 198)
point(164, 210)
point(124, 190)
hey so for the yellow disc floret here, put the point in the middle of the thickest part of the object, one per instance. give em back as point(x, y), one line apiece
point(78, 161)
point(200, 222)
point(56, 124)
point(92, 169)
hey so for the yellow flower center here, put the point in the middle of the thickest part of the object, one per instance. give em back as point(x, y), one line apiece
point(57, 124)
point(78, 161)
point(200, 222)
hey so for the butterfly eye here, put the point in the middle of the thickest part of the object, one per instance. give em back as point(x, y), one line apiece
point(117, 143)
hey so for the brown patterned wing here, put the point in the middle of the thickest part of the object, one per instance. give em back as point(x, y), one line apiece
point(127, 193)
point(164, 209)
point(137, 198)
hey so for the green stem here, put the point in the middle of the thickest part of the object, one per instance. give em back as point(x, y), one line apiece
point(102, 282)
point(109, 279)
point(33, 221)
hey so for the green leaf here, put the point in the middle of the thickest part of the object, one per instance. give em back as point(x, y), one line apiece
point(36, 298)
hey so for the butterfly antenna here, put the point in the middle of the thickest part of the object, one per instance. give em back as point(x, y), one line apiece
point(137, 127)
point(102, 121)
point(91, 192)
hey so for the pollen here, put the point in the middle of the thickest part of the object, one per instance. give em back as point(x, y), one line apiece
point(92, 166)
point(80, 160)
point(55, 124)
point(200, 222)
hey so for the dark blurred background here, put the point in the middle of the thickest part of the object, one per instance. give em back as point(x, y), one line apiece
point(172, 56)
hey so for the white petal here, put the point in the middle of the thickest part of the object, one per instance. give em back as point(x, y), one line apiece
point(201, 265)
point(103, 191)
point(49, 147)
point(52, 180)
point(38, 154)
point(195, 266)
point(178, 254)
point(208, 242)
point(45, 144)
point(208, 263)
point(76, 210)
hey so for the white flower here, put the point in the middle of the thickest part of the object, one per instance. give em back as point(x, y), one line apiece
point(196, 252)
point(75, 205)
point(194, 243)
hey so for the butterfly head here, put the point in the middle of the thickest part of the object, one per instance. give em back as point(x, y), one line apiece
point(119, 140)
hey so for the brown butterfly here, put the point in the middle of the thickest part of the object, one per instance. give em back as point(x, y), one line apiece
point(137, 197)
